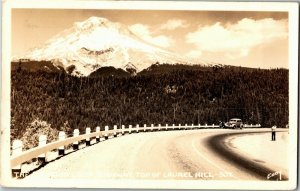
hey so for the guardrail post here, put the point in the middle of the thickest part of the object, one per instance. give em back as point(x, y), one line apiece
point(159, 127)
point(75, 144)
point(179, 126)
point(145, 126)
point(42, 142)
point(173, 126)
point(213, 125)
point(199, 126)
point(137, 128)
point(130, 127)
point(123, 129)
point(152, 127)
point(119, 131)
point(206, 125)
point(186, 126)
point(97, 136)
point(166, 128)
point(61, 136)
point(88, 140)
point(16, 150)
point(106, 132)
point(115, 130)
point(192, 126)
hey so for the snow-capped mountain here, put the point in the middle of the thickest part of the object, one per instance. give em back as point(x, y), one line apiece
point(98, 42)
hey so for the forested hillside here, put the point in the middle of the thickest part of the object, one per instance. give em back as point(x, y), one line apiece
point(161, 94)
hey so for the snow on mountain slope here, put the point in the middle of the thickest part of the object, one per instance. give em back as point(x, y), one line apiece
point(98, 42)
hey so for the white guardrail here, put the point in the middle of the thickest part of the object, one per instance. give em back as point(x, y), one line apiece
point(19, 156)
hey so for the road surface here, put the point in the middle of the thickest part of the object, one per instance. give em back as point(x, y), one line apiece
point(205, 154)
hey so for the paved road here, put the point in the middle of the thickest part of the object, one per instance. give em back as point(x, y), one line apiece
point(185, 155)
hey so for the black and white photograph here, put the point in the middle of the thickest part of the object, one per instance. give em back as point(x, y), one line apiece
point(186, 95)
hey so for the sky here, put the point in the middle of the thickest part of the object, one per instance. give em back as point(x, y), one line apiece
point(248, 39)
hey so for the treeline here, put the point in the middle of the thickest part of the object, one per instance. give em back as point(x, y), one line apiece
point(160, 94)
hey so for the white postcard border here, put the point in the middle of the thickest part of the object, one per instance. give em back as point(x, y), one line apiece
point(292, 8)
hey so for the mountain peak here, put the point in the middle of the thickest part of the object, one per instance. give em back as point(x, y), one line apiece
point(94, 19)
point(98, 42)
point(94, 22)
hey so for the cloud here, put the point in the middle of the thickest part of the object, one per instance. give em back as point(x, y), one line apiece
point(144, 33)
point(194, 54)
point(174, 24)
point(237, 40)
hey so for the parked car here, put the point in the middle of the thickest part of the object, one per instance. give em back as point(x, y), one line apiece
point(234, 123)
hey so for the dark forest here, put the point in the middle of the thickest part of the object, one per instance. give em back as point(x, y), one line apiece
point(159, 95)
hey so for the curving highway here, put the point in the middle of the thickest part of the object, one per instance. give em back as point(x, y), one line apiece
point(206, 154)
